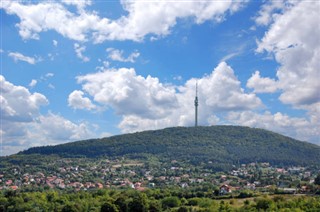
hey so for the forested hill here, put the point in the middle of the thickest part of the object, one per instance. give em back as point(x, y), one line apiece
point(218, 144)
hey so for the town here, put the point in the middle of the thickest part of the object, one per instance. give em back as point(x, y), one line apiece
point(88, 174)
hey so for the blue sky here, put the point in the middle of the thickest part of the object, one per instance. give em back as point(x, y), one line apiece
point(73, 70)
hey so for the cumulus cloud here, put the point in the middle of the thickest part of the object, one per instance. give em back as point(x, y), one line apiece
point(18, 104)
point(129, 93)
point(23, 126)
point(117, 55)
point(146, 103)
point(49, 129)
point(20, 57)
point(36, 18)
point(80, 4)
point(293, 39)
point(270, 10)
point(161, 17)
point(57, 129)
point(77, 101)
point(222, 90)
point(262, 84)
point(299, 128)
point(79, 51)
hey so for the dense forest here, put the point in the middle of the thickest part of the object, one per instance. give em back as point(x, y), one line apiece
point(218, 144)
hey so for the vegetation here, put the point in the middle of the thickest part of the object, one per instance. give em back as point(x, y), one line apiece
point(150, 200)
point(221, 168)
point(222, 145)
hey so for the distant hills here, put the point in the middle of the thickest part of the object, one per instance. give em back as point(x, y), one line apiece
point(214, 145)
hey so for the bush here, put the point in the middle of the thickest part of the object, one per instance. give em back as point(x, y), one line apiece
point(108, 207)
point(245, 194)
point(264, 204)
point(170, 202)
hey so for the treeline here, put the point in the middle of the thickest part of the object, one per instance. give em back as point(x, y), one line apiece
point(150, 200)
point(218, 144)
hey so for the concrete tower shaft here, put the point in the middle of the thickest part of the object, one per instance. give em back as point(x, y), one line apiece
point(196, 103)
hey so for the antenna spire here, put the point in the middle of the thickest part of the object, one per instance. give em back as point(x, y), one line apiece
point(196, 106)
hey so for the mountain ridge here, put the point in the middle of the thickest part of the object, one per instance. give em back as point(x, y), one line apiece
point(218, 144)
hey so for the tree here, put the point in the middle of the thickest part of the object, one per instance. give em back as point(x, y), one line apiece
point(170, 202)
point(69, 208)
point(139, 203)
point(317, 180)
point(121, 202)
point(264, 204)
point(108, 207)
point(154, 206)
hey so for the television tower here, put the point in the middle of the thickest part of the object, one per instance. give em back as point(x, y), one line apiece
point(196, 106)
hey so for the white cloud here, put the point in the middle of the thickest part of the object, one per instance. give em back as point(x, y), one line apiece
point(55, 43)
point(18, 104)
point(262, 84)
point(77, 101)
point(178, 78)
point(299, 128)
point(293, 39)
point(18, 56)
point(33, 83)
point(44, 16)
point(23, 126)
point(222, 90)
point(270, 11)
point(105, 65)
point(57, 129)
point(50, 129)
point(229, 56)
point(143, 18)
point(80, 4)
point(146, 103)
point(51, 86)
point(49, 75)
point(117, 55)
point(79, 50)
point(129, 93)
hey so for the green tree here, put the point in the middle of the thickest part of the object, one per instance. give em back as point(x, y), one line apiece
point(170, 202)
point(155, 206)
point(108, 207)
point(183, 209)
point(317, 180)
point(264, 204)
point(139, 203)
point(122, 204)
point(69, 208)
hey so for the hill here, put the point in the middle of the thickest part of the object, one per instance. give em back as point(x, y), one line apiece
point(218, 144)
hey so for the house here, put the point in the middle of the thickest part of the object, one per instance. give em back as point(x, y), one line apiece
point(250, 186)
point(9, 182)
point(99, 185)
point(225, 189)
point(184, 185)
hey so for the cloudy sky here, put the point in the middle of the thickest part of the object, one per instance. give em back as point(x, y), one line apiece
point(74, 70)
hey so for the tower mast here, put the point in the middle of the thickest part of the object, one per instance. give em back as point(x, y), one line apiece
point(196, 106)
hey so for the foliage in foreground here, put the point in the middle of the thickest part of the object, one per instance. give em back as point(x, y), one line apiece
point(150, 200)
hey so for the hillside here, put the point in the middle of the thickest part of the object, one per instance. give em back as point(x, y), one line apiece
point(219, 144)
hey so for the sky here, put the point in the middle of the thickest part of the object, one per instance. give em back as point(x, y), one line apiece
point(73, 70)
